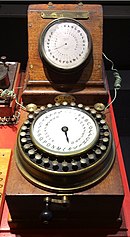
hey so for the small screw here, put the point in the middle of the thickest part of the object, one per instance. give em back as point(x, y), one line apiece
point(31, 66)
point(31, 108)
point(80, 4)
point(99, 106)
point(50, 4)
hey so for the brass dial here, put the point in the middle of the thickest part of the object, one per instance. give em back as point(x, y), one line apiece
point(65, 148)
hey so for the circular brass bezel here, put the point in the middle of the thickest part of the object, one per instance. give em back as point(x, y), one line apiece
point(64, 182)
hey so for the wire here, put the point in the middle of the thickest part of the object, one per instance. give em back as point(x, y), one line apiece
point(22, 107)
point(118, 79)
point(112, 67)
point(115, 95)
point(5, 94)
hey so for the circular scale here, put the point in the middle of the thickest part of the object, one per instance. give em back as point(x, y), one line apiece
point(65, 48)
point(65, 44)
point(65, 147)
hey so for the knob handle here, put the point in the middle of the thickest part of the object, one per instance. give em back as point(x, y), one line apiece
point(46, 214)
point(3, 59)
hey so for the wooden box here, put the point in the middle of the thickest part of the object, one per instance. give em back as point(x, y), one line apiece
point(91, 86)
point(95, 207)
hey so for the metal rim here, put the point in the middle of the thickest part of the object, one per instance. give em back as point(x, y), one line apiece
point(65, 181)
point(78, 187)
point(43, 53)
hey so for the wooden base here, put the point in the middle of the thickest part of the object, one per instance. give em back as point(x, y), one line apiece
point(40, 93)
point(98, 207)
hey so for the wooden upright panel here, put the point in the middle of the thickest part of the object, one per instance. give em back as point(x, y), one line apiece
point(91, 86)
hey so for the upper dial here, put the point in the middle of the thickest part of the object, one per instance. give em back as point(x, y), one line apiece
point(65, 44)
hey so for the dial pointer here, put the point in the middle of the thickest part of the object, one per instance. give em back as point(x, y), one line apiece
point(65, 130)
point(58, 47)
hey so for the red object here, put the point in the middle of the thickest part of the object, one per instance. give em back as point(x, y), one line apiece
point(126, 203)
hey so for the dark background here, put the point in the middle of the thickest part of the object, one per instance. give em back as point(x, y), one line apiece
point(116, 45)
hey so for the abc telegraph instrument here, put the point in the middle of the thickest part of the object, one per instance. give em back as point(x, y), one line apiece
point(65, 152)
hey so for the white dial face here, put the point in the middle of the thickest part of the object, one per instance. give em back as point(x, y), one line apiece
point(66, 44)
point(64, 131)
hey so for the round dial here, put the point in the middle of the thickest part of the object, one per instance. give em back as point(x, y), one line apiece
point(64, 131)
point(64, 147)
point(65, 44)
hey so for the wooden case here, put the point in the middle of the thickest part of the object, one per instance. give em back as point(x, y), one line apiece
point(100, 205)
point(90, 87)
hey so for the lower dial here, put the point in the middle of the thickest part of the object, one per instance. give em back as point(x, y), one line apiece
point(65, 148)
point(64, 131)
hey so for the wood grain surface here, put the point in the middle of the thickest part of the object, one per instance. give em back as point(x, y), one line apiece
point(91, 83)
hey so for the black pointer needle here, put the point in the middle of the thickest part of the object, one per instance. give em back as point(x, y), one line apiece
point(65, 130)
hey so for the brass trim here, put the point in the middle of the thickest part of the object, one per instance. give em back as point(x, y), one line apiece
point(53, 181)
point(62, 200)
point(65, 97)
point(62, 13)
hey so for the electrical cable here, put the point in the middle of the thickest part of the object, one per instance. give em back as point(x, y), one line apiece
point(117, 77)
